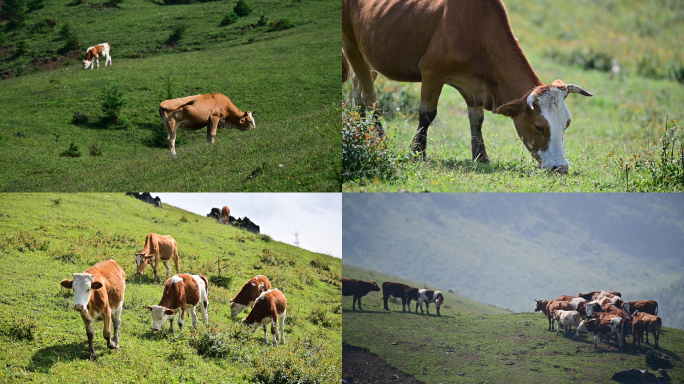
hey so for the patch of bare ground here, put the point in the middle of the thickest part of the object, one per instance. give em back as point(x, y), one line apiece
point(360, 366)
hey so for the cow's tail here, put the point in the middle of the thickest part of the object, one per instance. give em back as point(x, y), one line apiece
point(656, 311)
point(346, 68)
point(206, 284)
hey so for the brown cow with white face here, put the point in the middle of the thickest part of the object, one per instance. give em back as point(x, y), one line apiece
point(181, 293)
point(469, 45)
point(99, 295)
point(249, 293)
point(269, 307)
point(157, 247)
point(212, 111)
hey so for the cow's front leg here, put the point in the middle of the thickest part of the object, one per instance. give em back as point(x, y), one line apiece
point(97, 60)
point(266, 333)
point(107, 331)
point(90, 332)
point(193, 312)
point(116, 321)
point(477, 146)
point(211, 129)
point(171, 322)
point(181, 320)
point(430, 90)
point(360, 309)
point(427, 307)
point(170, 126)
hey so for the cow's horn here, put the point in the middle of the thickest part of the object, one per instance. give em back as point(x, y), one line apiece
point(572, 88)
point(531, 99)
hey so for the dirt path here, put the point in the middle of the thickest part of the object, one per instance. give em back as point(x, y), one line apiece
point(360, 366)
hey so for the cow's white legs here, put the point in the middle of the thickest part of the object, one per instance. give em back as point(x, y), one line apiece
point(116, 322)
point(108, 60)
point(203, 310)
point(281, 320)
point(193, 312)
point(171, 321)
point(266, 333)
point(171, 136)
point(168, 269)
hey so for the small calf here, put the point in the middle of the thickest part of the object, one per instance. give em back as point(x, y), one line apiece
point(249, 293)
point(567, 319)
point(181, 292)
point(269, 307)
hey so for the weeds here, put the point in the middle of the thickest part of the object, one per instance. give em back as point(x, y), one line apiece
point(22, 328)
point(304, 363)
point(24, 241)
point(72, 151)
point(184, 219)
point(95, 149)
point(231, 342)
point(320, 315)
point(320, 264)
point(221, 281)
point(281, 25)
point(265, 238)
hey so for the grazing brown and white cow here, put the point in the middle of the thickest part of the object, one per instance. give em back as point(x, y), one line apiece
point(225, 215)
point(647, 306)
point(428, 296)
point(644, 322)
point(248, 294)
point(212, 111)
point(469, 45)
point(358, 289)
point(269, 307)
point(94, 52)
point(596, 295)
point(548, 306)
point(157, 247)
point(394, 290)
point(181, 293)
point(566, 319)
point(99, 295)
point(602, 326)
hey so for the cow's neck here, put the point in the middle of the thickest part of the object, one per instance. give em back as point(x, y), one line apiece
point(513, 74)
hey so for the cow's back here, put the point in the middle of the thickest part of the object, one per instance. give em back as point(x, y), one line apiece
point(167, 247)
point(113, 277)
point(191, 289)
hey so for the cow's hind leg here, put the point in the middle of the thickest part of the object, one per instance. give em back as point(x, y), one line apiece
point(116, 322)
point(203, 309)
point(266, 333)
point(274, 331)
point(430, 90)
point(211, 129)
point(170, 126)
point(477, 146)
point(281, 320)
point(364, 90)
point(193, 312)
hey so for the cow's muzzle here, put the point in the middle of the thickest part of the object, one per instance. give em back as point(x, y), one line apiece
point(78, 307)
point(138, 273)
point(562, 170)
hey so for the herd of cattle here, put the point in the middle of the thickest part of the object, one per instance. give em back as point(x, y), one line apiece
point(189, 113)
point(223, 216)
point(99, 295)
point(360, 288)
point(597, 313)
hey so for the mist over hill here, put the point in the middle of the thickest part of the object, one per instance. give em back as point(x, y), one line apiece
point(508, 249)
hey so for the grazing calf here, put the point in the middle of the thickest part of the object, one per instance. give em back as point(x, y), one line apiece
point(647, 306)
point(225, 215)
point(644, 322)
point(599, 326)
point(428, 296)
point(181, 292)
point(358, 289)
point(249, 293)
point(395, 290)
point(94, 52)
point(270, 307)
point(548, 306)
point(157, 247)
point(99, 295)
point(567, 319)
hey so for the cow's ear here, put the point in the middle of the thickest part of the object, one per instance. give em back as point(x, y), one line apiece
point(67, 283)
point(242, 120)
point(168, 312)
point(149, 307)
point(95, 285)
point(512, 109)
point(149, 257)
point(252, 112)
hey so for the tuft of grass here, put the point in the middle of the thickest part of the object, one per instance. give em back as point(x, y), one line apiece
point(221, 280)
point(280, 25)
point(24, 241)
point(79, 118)
point(72, 151)
point(95, 149)
point(265, 238)
point(184, 219)
point(22, 328)
point(230, 18)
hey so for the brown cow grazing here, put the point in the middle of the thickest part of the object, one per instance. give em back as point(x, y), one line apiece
point(644, 322)
point(157, 247)
point(181, 292)
point(249, 293)
point(394, 290)
point(225, 215)
point(410, 294)
point(358, 289)
point(212, 111)
point(94, 52)
point(99, 295)
point(469, 45)
point(647, 306)
point(270, 307)
point(548, 306)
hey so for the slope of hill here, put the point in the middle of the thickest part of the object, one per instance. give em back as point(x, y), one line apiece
point(467, 346)
point(45, 238)
point(287, 77)
point(456, 241)
point(670, 303)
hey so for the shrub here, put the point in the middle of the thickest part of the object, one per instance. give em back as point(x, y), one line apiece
point(242, 9)
point(265, 238)
point(158, 138)
point(262, 22)
point(15, 12)
point(65, 30)
point(71, 41)
point(24, 241)
point(112, 100)
point(72, 151)
point(304, 363)
point(230, 18)
point(114, 3)
point(221, 281)
point(216, 343)
point(79, 118)
point(95, 149)
point(320, 315)
point(281, 25)
point(364, 154)
point(320, 264)
point(34, 5)
point(184, 219)
point(22, 328)
point(176, 34)
point(23, 47)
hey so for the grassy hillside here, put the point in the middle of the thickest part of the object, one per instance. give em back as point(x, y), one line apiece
point(670, 303)
point(288, 78)
point(47, 237)
point(614, 142)
point(465, 345)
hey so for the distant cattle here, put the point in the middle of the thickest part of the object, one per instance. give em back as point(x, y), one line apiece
point(94, 52)
point(358, 289)
point(157, 247)
point(146, 197)
point(248, 294)
point(428, 296)
point(181, 293)
point(215, 213)
point(99, 295)
point(644, 322)
point(646, 306)
point(566, 319)
point(595, 295)
point(269, 307)
point(225, 215)
point(191, 113)
point(605, 326)
point(548, 306)
point(395, 290)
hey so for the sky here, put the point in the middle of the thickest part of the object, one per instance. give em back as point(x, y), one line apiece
point(317, 217)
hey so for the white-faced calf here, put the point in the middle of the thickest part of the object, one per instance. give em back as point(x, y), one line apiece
point(270, 307)
point(94, 52)
point(181, 293)
point(249, 293)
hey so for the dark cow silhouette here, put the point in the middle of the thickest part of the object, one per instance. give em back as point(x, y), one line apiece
point(146, 197)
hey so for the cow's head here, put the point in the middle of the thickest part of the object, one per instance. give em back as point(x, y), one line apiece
point(374, 286)
point(252, 326)
point(247, 121)
point(141, 260)
point(541, 118)
point(159, 316)
point(82, 284)
point(236, 308)
point(87, 63)
point(541, 305)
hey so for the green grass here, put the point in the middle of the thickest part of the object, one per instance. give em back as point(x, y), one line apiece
point(625, 117)
point(44, 238)
point(466, 345)
point(286, 77)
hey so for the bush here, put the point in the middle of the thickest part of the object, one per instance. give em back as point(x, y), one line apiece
point(65, 30)
point(15, 13)
point(364, 154)
point(112, 100)
point(320, 315)
point(304, 363)
point(215, 343)
point(22, 328)
point(176, 34)
point(221, 281)
point(242, 9)
point(230, 18)
point(72, 151)
point(24, 241)
point(79, 119)
point(34, 5)
point(265, 238)
point(320, 264)
point(95, 149)
point(44, 26)
point(281, 25)
point(23, 47)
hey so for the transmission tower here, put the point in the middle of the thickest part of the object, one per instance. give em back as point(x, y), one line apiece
point(296, 242)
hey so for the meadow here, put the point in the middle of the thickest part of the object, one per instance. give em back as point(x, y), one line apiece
point(626, 138)
point(45, 238)
point(478, 343)
point(285, 76)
